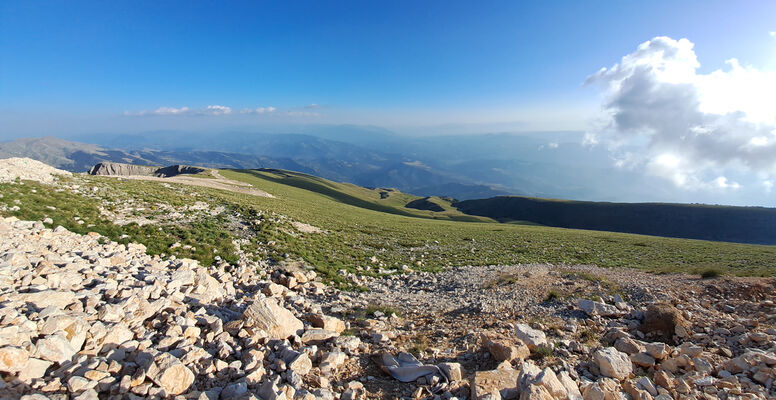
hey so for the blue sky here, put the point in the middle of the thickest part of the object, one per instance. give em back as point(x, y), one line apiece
point(69, 66)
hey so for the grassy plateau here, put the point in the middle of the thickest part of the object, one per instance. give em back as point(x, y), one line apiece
point(365, 231)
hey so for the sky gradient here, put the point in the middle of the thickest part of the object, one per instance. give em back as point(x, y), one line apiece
point(684, 92)
point(67, 66)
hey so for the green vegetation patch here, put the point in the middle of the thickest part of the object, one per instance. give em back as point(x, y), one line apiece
point(202, 239)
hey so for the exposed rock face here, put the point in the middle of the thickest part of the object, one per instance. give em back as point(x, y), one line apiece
point(174, 170)
point(119, 169)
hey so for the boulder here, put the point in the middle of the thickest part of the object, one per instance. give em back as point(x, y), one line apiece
point(46, 298)
point(613, 363)
point(301, 364)
point(503, 350)
point(35, 369)
point(549, 381)
point(13, 359)
point(532, 338)
point(276, 321)
point(537, 392)
point(169, 373)
point(317, 336)
point(55, 348)
point(327, 322)
point(572, 389)
point(453, 371)
point(593, 308)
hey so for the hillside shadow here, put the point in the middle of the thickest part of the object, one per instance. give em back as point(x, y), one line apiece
point(289, 179)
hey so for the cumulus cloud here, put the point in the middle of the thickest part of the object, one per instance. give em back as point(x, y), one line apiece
point(216, 110)
point(693, 126)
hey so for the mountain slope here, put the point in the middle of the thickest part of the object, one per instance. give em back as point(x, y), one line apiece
point(721, 223)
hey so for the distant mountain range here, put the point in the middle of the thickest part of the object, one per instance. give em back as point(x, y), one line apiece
point(336, 161)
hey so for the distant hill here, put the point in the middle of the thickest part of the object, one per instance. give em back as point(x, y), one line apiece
point(756, 225)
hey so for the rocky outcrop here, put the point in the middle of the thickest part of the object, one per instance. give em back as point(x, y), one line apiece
point(174, 170)
point(119, 169)
point(15, 168)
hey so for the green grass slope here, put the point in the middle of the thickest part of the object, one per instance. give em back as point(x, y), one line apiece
point(358, 236)
point(357, 233)
point(380, 199)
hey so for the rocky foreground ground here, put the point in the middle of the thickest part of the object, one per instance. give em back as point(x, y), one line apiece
point(82, 317)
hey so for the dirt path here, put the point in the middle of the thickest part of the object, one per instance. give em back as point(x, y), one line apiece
point(218, 182)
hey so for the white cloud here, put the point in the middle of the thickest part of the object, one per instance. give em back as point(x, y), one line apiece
point(159, 111)
point(216, 110)
point(695, 126)
point(219, 110)
point(772, 33)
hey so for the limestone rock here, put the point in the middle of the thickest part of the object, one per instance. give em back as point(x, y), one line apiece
point(301, 364)
point(318, 336)
point(35, 369)
point(532, 338)
point(267, 315)
point(549, 381)
point(613, 363)
point(503, 350)
point(453, 371)
point(46, 298)
point(169, 373)
point(328, 323)
point(500, 383)
point(594, 308)
point(55, 348)
point(13, 359)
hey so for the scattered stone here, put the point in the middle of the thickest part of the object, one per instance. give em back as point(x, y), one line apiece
point(613, 363)
point(276, 321)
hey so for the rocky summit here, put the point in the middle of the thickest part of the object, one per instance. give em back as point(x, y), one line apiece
point(85, 317)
